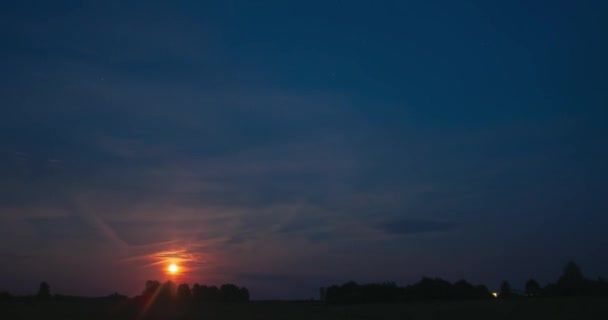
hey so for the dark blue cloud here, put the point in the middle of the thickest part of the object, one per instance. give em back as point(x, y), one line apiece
point(65, 228)
point(410, 226)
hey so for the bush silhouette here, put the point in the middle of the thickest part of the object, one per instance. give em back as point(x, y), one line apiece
point(44, 291)
point(430, 289)
point(505, 290)
point(533, 288)
point(116, 297)
point(601, 287)
point(464, 290)
point(4, 296)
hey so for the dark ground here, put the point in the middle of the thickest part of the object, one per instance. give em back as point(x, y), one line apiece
point(542, 308)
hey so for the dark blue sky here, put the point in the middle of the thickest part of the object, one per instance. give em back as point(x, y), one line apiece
point(286, 145)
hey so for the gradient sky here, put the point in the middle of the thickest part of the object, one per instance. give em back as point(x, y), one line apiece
point(286, 145)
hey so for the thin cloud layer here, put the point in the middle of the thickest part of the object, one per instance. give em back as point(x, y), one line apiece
point(405, 227)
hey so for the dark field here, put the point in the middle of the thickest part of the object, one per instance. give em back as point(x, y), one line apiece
point(556, 308)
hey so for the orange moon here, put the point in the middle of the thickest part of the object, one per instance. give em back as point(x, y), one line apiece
point(173, 268)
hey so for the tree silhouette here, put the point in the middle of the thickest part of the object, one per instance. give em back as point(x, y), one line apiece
point(572, 274)
point(232, 293)
point(167, 292)
point(151, 287)
point(532, 288)
point(572, 282)
point(210, 294)
point(244, 294)
point(430, 289)
point(505, 290)
point(183, 293)
point(44, 291)
point(196, 292)
point(463, 289)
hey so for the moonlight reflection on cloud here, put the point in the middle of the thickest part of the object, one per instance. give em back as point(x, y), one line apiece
point(182, 262)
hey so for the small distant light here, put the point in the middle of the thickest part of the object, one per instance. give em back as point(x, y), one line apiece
point(495, 294)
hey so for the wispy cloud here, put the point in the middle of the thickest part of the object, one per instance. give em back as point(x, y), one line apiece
point(414, 226)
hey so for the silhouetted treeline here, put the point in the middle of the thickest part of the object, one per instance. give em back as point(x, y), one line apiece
point(154, 293)
point(5, 296)
point(573, 283)
point(112, 297)
point(425, 289)
point(169, 292)
point(570, 283)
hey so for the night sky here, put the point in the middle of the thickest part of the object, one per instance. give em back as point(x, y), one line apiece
point(288, 145)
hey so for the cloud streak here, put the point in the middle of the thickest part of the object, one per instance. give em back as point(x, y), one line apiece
point(414, 226)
